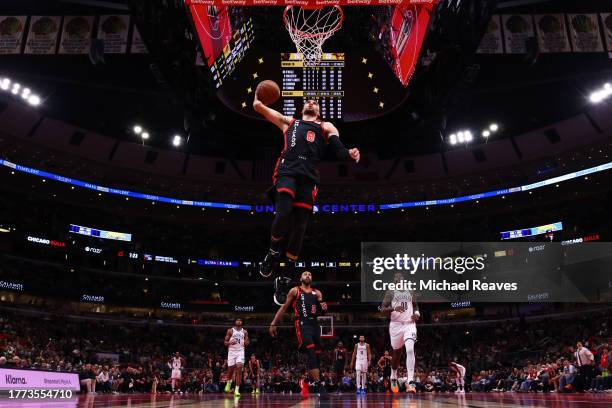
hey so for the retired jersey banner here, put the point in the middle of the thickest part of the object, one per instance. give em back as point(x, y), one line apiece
point(113, 30)
point(11, 34)
point(43, 33)
point(552, 33)
point(606, 20)
point(76, 36)
point(492, 43)
point(137, 46)
point(584, 30)
point(517, 29)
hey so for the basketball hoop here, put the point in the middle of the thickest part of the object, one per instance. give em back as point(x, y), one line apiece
point(310, 27)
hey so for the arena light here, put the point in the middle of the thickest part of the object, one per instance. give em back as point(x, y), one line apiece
point(34, 100)
point(453, 139)
point(15, 89)
point(468, 136)
point(137, 129)
point(5, 84)
point(486, 133)
point(177, 140)
point(25, 94)
point(602, 94)
point(493, 127)
point(144, 135)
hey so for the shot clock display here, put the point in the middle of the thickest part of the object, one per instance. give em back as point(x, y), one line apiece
point(323, 82)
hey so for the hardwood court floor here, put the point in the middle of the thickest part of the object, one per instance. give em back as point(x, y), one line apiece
point(346, 400)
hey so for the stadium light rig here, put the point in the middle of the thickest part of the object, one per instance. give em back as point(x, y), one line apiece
point(177, 141)
point(601, 94)
point(464, 136)
point(17, 89)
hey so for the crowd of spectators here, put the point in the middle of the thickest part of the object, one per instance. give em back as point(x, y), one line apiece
point(516, 356)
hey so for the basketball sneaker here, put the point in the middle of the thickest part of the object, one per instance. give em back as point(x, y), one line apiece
point(394, 386)
point(281, 287)
point(228, 387)
point(270, 263)
point(411, 389)
point(237, 392)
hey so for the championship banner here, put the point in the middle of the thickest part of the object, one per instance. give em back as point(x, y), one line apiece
point(42, 37)
point(552, 33)
point(606, 19)
point(584, 30)
point(113, 30)
point(517, 29)
point(491, 42)
point(76, 36)
point(11, 34)
point(137, 46)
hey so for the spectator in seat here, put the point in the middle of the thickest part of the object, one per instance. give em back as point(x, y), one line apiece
point(103, 380)
point(566, 382)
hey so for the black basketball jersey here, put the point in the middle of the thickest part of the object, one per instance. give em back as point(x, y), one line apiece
point(339, 355)
point(305, 144)
point(306, 306)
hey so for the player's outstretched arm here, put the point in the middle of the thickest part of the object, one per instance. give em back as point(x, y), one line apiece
point(281, 311)
point(321, 302)
point(333, 137)
point(271, 115)
point(415, 307)
point(246, 338)
point(228, 336)
point(354, 357)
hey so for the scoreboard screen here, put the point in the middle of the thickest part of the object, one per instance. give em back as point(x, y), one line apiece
point(233, 52)
point(322, 82)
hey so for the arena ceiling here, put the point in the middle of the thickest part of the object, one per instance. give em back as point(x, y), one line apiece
point(165, 92)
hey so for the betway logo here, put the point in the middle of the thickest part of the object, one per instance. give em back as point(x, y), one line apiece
point(293, 133)
point(15, 380)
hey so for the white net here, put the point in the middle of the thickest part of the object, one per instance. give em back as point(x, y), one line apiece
point(309, 28)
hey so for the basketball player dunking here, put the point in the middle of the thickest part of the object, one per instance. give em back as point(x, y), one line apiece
point(459, 372)
point(360, 362)
point(295, 181)
point(176, 364)
point(236, 339)
point(307, 304)
point(404, 313)
point(254, 373)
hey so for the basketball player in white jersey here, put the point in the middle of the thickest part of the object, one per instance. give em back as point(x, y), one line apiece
point(360, 362)
point(236, 339)
point(404, 313)
point(176, 364)
point(459, 372)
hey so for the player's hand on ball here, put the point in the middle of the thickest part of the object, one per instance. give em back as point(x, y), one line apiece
point(415, 317)
point(324, 306)
point(272, 330)
point(355, 155)
point(399, 308)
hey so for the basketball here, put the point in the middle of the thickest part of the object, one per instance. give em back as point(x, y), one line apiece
point(267, 92)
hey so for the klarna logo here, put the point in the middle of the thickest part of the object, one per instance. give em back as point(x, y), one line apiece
point(15, 380)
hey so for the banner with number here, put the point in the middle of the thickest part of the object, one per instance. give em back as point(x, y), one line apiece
point(137, 46)
point(43, 33)
point(492, 41)
point(606, 21)
point(584, 30)
point(11, 34)
point(113, 30)
point(552, 33)
point(517, 29)
point(76, 35)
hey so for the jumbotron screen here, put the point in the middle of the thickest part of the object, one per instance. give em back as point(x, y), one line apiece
point(323, 82)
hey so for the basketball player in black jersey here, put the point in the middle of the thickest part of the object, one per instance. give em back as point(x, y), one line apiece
point(295, 181)
point(307, 304)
